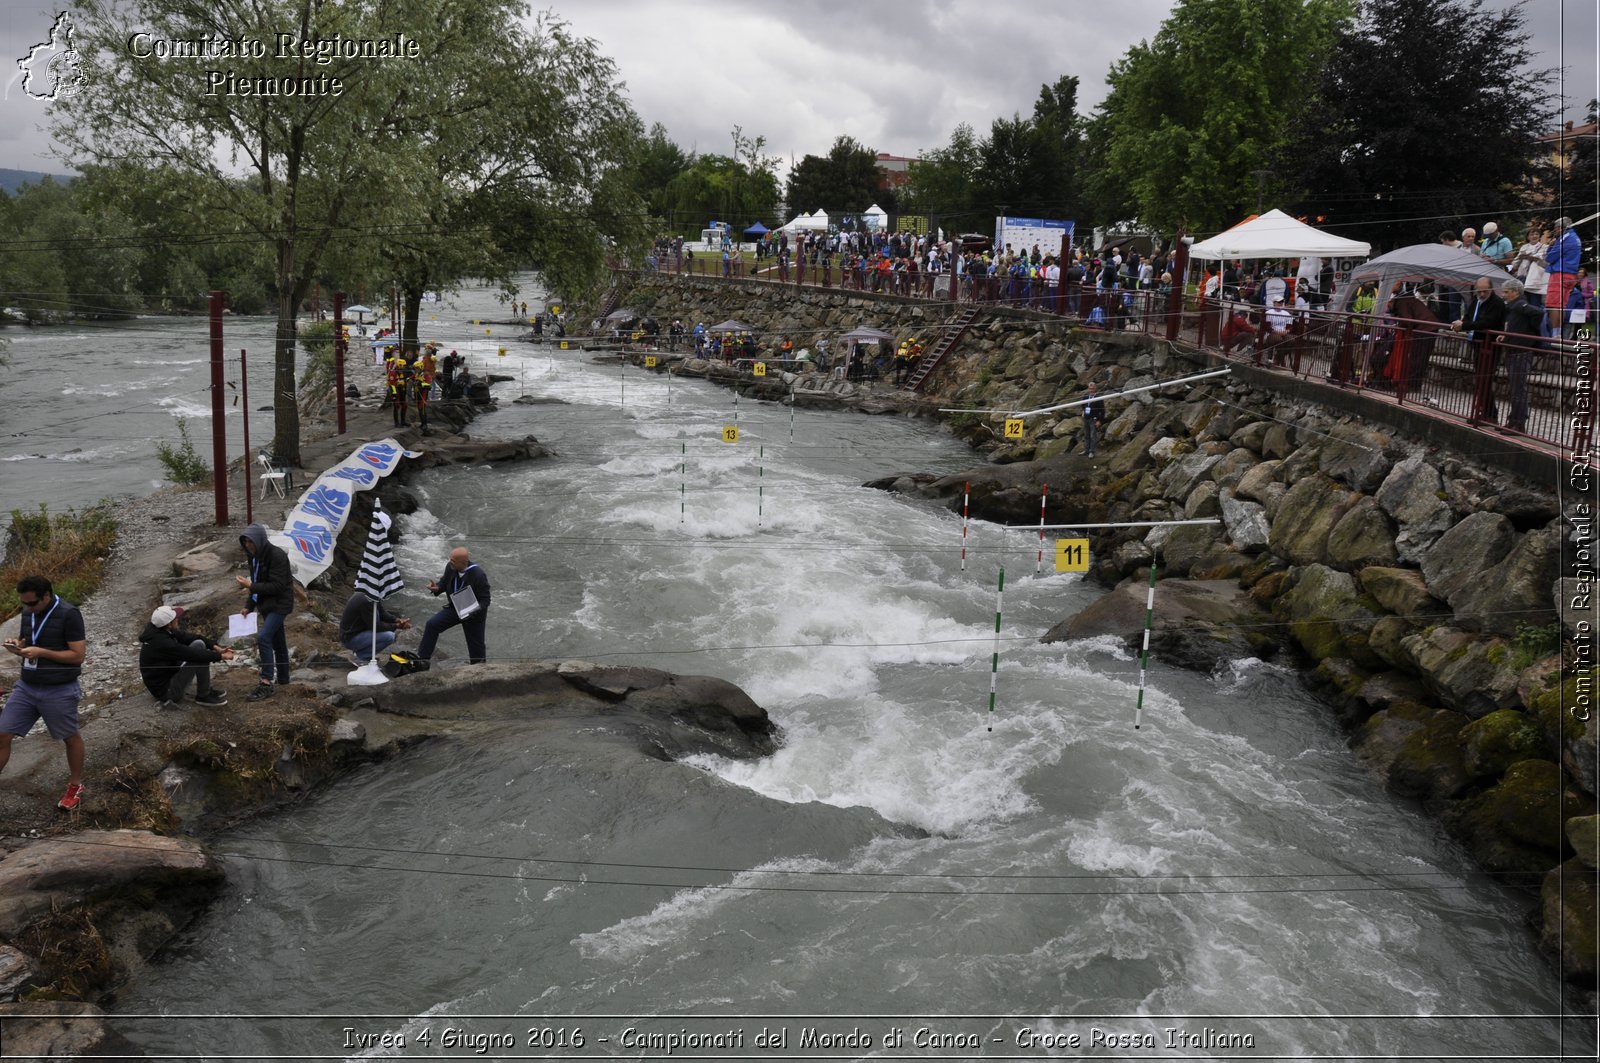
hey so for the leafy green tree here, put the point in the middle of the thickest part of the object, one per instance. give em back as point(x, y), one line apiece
point(1055, 113)
point(738, 189)
point(1195, 114)
point(1425, 114)
point(845, 179)
point(1018, 166)
point(942, 181)
point(655, 165)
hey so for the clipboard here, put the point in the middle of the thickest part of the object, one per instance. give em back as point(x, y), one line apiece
point(464, 602)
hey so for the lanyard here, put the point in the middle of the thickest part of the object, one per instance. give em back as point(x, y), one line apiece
point(35, 624)
point(461, 577)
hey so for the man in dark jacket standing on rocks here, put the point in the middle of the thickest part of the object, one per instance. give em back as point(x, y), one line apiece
point(471, 612)
point(170, 659)
point(1094, 414)
point(271, 587)
point(356, 627)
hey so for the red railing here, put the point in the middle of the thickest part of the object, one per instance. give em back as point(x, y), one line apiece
point(1540, 390)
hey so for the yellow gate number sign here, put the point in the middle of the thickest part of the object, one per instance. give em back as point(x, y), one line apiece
point(563, 345)
point(730, 433)
point(1014, 427)
point(759, 369)
point(1072, 555)
point(502, 352)
point(649, 361)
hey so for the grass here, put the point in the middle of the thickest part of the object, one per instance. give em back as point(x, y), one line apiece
point(69, 549)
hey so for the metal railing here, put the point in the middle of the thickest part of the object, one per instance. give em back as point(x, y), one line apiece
point(1539, 390)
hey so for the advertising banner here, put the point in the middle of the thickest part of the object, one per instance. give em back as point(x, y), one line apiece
point(1023, 233)
point(312, 528)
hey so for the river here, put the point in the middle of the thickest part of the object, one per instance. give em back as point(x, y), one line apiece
point(983, 881)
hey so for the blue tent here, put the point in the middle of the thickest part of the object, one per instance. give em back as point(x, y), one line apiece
point(757, 230)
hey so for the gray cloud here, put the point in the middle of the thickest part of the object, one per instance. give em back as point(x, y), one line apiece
point(897, 77)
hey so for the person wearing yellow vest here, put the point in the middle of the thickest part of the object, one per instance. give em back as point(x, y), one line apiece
point(394, 376)
point(426, 370)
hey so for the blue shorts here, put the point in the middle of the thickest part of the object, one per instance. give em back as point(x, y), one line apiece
point(57, 705)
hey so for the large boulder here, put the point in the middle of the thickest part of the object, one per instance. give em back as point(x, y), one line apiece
point(1233, 467)
point(1197, 623)
point(1516, 592)
point(1307, 516)
point(1362, 537)
point(1355, 456)
point(1516, 824)
point(1465, 671)
point(1180, 477)
point(1186, 544)
point(1417, 749)
point(1494, 742)
point(1571, 913)
point(1246, 523)
point(1463, 555)
point(1412, 494)
point(1328, 615)
point(1401, 591)
point(1254, 483)
point(1568, 714)
point(71, 871)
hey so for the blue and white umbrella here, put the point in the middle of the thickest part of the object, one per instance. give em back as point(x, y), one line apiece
point(377, 577)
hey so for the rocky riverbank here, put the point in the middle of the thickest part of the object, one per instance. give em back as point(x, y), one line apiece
point(87, 899)
point(1438, 597)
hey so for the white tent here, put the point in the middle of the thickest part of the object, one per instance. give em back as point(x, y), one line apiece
point(817, 222)
point(1276, 235)
point(875, 217)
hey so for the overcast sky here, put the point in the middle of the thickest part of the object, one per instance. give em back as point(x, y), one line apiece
point(897, 77)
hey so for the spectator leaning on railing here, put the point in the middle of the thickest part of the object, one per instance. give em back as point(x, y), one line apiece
point(1522, 319)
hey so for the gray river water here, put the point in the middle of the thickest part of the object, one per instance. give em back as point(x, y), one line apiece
point(907, 860)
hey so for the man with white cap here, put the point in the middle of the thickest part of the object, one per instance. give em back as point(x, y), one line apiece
point(1497, 246)
point(171, 659)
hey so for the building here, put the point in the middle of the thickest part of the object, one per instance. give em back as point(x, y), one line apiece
point(893, 170)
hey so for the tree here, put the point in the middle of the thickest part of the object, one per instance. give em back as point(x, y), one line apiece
point(739, 188)
point(655, 165)
point(1018, 166)
point(1425, 114)
point(941, 181)
point(1055, 113)
point(844, 180)
point(1580, 181)
point(1193, 115)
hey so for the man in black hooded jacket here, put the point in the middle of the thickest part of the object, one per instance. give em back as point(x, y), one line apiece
point(271, 587)
point(171, 659)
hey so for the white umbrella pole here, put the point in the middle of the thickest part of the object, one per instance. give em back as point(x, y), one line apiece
point(374, 634)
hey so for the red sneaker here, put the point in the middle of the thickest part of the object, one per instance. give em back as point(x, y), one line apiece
point(69, 800)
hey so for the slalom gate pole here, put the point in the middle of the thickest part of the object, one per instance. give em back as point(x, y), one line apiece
point(683, 463)
point(966, 495)
point(791, 413)
point(994, 661)
point(761, 485)
point(1038, 565)
point(1144, 654)
point(624, 379)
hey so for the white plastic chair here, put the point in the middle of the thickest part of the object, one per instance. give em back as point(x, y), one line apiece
point(273, 477)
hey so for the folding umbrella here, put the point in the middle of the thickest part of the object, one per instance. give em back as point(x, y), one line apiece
point(377, 577)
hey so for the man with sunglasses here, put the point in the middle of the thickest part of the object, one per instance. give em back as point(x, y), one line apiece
point(52, 646)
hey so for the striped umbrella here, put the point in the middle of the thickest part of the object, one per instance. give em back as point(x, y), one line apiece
point(377, 578)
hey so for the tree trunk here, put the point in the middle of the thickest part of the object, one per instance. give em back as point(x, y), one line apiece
point(285, 411)
point(411, 309)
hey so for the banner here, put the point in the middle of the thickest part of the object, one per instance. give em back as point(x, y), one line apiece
point(312, 527)
point(1023, 233)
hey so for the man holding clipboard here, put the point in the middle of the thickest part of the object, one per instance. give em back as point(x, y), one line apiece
point(467, 603)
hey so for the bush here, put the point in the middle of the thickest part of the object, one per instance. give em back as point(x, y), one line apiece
point(184, 466)
point(1535, 643)
point(317, 339)
point(69, 549)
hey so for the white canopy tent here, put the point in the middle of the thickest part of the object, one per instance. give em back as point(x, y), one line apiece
point(1276, 235)
point(875, 217)
point(804, 223)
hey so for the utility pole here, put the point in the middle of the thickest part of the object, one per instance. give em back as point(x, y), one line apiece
point(1261, 187)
